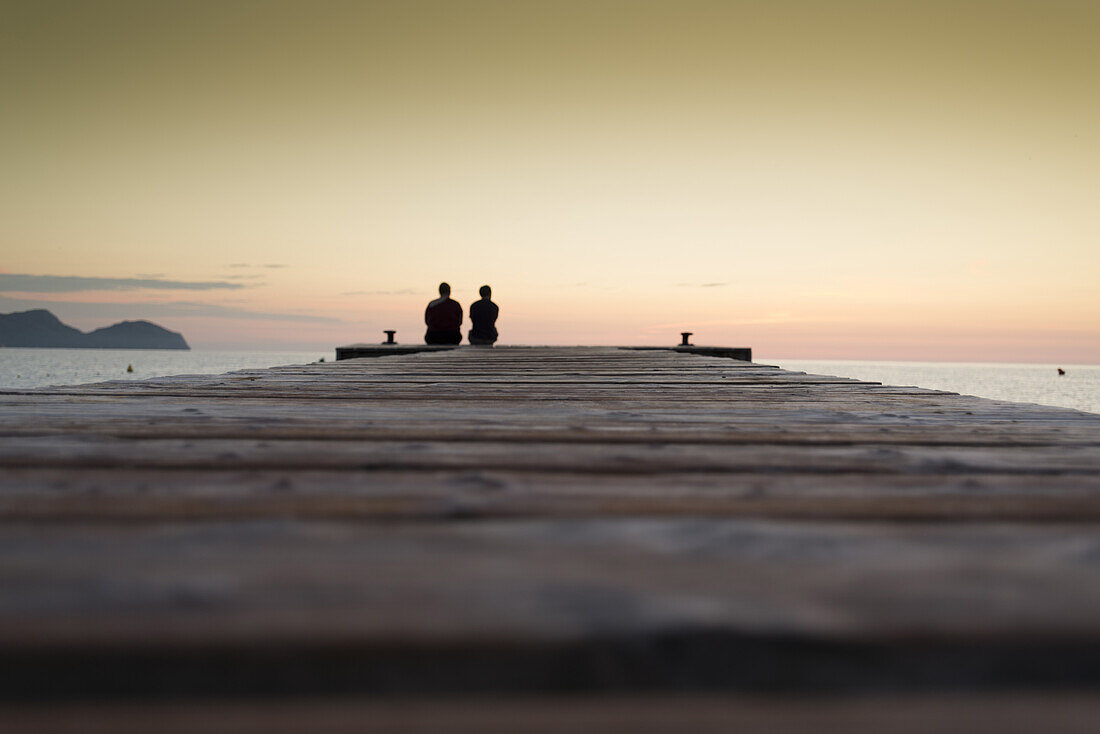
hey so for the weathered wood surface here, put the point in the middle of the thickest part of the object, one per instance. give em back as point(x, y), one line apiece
point(618, 714)
point(534, 520)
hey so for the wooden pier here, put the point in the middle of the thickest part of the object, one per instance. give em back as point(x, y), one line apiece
point(544, 539)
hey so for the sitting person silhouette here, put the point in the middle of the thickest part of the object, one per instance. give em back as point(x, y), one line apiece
point(483, 318)
point(443, 317)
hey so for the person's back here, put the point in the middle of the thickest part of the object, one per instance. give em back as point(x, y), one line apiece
point(443, 317)
point(483, 319)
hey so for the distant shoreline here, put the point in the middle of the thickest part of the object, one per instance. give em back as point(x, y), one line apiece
point(40, 329)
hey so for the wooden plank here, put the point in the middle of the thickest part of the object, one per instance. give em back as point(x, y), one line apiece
point(618, 458)
point(545, 605)
point(1013, 713)
point(57, 483)
point(215, 424)
point(159, 496)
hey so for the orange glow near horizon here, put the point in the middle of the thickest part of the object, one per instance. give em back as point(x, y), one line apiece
point(853, 179)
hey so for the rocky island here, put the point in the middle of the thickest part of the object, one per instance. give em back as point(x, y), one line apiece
point(40, 328)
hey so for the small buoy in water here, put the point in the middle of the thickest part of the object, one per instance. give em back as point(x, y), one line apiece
point(129, 368)
point(1061, 371)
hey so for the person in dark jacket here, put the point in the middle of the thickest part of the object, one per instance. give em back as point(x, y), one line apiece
point(443, 317)
point(483, 318)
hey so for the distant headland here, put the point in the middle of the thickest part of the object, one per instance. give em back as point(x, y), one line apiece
point(40, 328)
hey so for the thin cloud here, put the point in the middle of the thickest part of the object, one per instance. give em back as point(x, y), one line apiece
point(402, 292)
point(154, 309)
point(22, 283)
point(269, 266)
point(702, 285)
point(772, 318)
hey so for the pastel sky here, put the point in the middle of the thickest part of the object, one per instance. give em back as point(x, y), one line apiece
point(865, 180)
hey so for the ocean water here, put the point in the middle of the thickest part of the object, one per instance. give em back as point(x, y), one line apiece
point(28, 368)
point(1079, 388)
point(1025, 383)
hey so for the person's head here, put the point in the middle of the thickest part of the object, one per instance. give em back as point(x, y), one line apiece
point(486, 292)
point(444, 289)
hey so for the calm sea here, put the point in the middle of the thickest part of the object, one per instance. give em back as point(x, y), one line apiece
point(1025, 383)
point(23, 368)
point(1022, 383)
